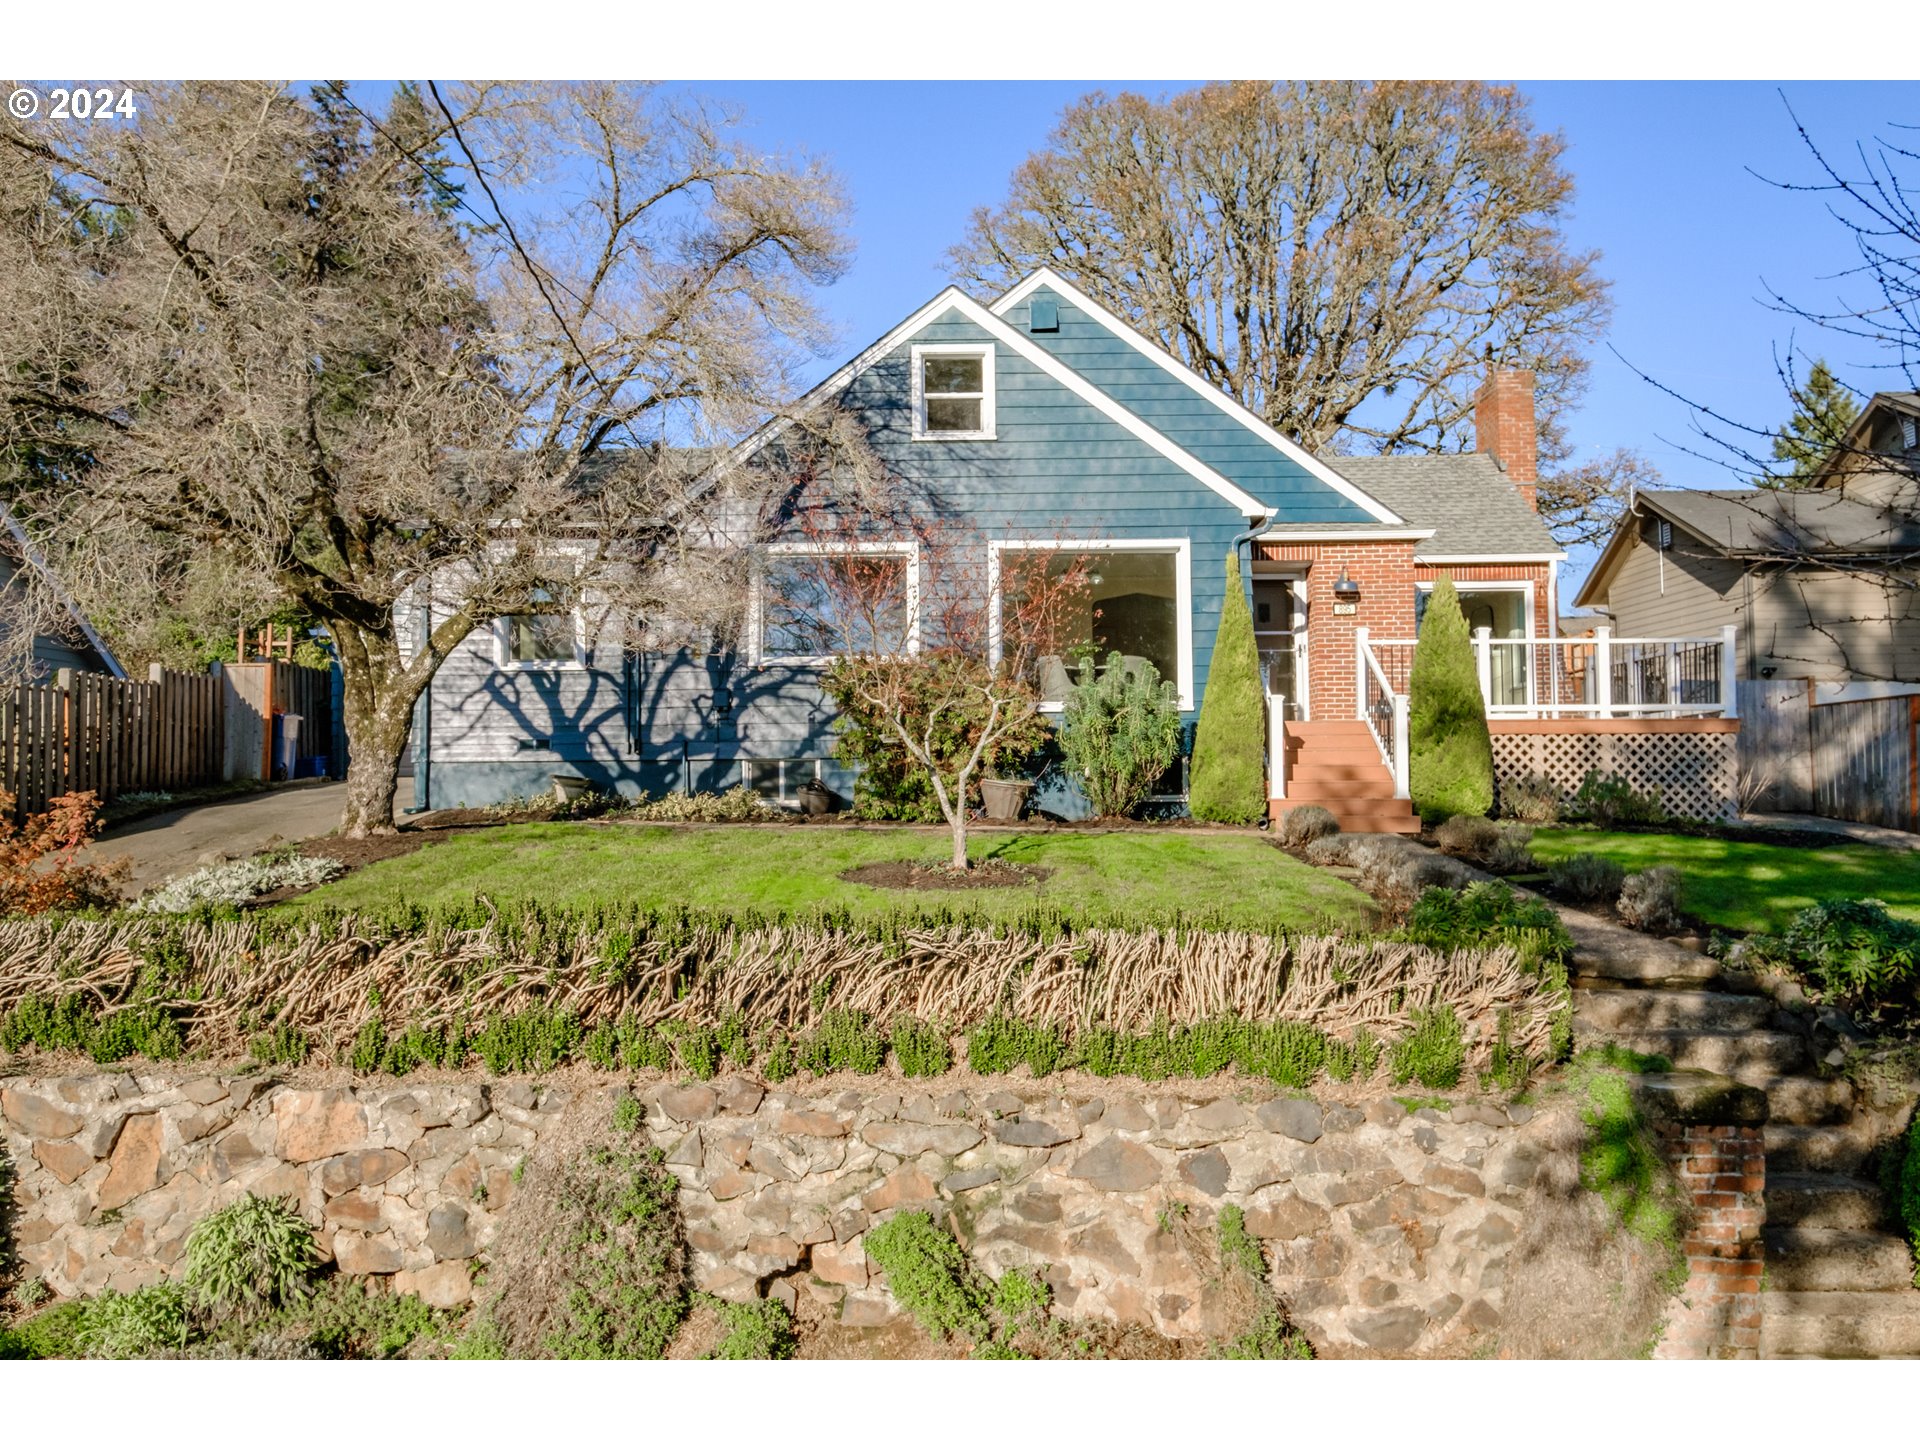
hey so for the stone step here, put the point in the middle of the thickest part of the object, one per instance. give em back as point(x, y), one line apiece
point(1811, 1258)
point(1805, 1100)
point(1612, 1011)
point(1840, 1324)
point(1752, 1057)
point(1676, 970)
point(1830, 1202)
point(1827, 1149)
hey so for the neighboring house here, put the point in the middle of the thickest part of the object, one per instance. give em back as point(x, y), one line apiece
point(1819, 584)
point(1051, 425)
point(72, 644)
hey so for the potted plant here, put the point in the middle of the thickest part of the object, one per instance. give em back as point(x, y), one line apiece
point(1004, 798)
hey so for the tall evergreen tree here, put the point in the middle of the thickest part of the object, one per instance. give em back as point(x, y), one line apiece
point(1450, 750)
point(1824, 410)
point(1229, 748)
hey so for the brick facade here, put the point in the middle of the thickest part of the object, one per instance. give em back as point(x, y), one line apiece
point(1388, 575)
point(1723, 1171)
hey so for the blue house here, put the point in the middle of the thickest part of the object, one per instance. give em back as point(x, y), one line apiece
point(1056, 431)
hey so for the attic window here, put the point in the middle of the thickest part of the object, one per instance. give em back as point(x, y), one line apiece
point(953, 392)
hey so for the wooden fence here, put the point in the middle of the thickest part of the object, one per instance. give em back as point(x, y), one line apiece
point(1855, 760)
point(169, 732)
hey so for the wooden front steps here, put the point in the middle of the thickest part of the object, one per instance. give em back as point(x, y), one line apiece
point(1335, 764)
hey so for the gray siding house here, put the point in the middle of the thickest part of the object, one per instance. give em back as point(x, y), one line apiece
point(1820, 584)
point(1048, 424)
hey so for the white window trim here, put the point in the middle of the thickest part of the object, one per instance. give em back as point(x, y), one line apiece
point(1180, 547)
point(757, 602)
point(985, 354)
point(503, 647)
point(1525, 587)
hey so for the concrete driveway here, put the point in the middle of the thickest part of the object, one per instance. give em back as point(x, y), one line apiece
point(176, 841)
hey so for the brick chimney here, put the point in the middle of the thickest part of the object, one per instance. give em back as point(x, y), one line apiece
point(1503, 428)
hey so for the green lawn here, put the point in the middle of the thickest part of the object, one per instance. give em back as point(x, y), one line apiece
point(1746, 886)
point(1239, 878)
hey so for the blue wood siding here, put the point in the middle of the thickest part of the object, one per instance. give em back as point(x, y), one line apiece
point(1190, 420)
point(1058, 468)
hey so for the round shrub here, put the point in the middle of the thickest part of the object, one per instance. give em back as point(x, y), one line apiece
point(1329, 850)
point(1471, 837)
point(1586, 877)
point(1533, 799)
point(1512, 851)
point(154, 1321)
point(1304, 824)
point(254, 1253)
point(1120, 732)
point(1650, 900)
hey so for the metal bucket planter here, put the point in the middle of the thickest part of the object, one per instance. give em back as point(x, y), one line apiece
point(1005, 799)
point(568, 788)
point(815, 799)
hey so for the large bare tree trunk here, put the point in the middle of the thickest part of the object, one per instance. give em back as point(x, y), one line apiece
point(379, 693)
point(377, 737)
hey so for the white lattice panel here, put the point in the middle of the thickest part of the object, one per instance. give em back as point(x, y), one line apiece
point(1694, 773)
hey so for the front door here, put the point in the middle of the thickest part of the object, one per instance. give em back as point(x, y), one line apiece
point(1280, 632)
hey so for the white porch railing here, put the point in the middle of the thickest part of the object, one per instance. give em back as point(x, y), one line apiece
point(1598, 677)
point(1384, 709)
point(1276, 747)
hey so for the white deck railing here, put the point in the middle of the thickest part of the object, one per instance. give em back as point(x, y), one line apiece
point(1589, 677)
point(1384, 708)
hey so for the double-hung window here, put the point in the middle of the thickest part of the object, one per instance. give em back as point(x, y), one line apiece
point(953, 392)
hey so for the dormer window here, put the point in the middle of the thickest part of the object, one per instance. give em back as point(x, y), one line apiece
point(953, 392)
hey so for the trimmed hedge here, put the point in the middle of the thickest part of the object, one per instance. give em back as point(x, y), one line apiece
point(1449, 748)
point(1228, 783)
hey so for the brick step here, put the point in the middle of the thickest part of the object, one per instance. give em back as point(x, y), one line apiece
point(1804, 1100)
point(1828, 1149)
point(1669, 969)
point(1811, 1258)
point(1840, 1324)
point(1830, 1202)
point(1620, 1010)
point(1753, 1057)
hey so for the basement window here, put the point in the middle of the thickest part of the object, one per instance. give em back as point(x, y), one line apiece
point(953, 392)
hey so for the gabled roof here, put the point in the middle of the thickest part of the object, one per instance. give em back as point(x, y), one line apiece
point(1755, 524)
point(1467, 500)
point(31, 554)
point(1318, 468)
point(957, 300)
point(1857, 442)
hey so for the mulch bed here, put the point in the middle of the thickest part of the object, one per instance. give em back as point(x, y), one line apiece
point(911, 875)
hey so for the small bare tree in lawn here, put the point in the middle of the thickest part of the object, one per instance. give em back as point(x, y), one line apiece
point(932, 650)
point(411, 373)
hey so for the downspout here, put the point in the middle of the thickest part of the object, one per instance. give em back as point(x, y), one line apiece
point(423, 731)
point(1246, 538)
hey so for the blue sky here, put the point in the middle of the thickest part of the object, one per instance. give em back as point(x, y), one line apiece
point(1687, 234)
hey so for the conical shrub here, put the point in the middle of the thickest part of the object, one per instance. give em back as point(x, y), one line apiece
point(1449, 749)
point(1229, 743)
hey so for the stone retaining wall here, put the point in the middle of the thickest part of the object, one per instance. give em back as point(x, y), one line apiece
point(1387, 1232)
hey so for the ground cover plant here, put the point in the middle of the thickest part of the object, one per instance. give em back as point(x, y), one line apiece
point(1238, 878)
point(527, 988)
point(1848, 952)
point(1747, 885)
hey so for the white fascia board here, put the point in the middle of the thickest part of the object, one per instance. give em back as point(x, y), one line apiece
point(1314, 466)
point(957, 300)
point(1354, 532)
point(1544, 557)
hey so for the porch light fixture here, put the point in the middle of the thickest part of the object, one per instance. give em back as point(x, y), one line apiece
point(1345, 590)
